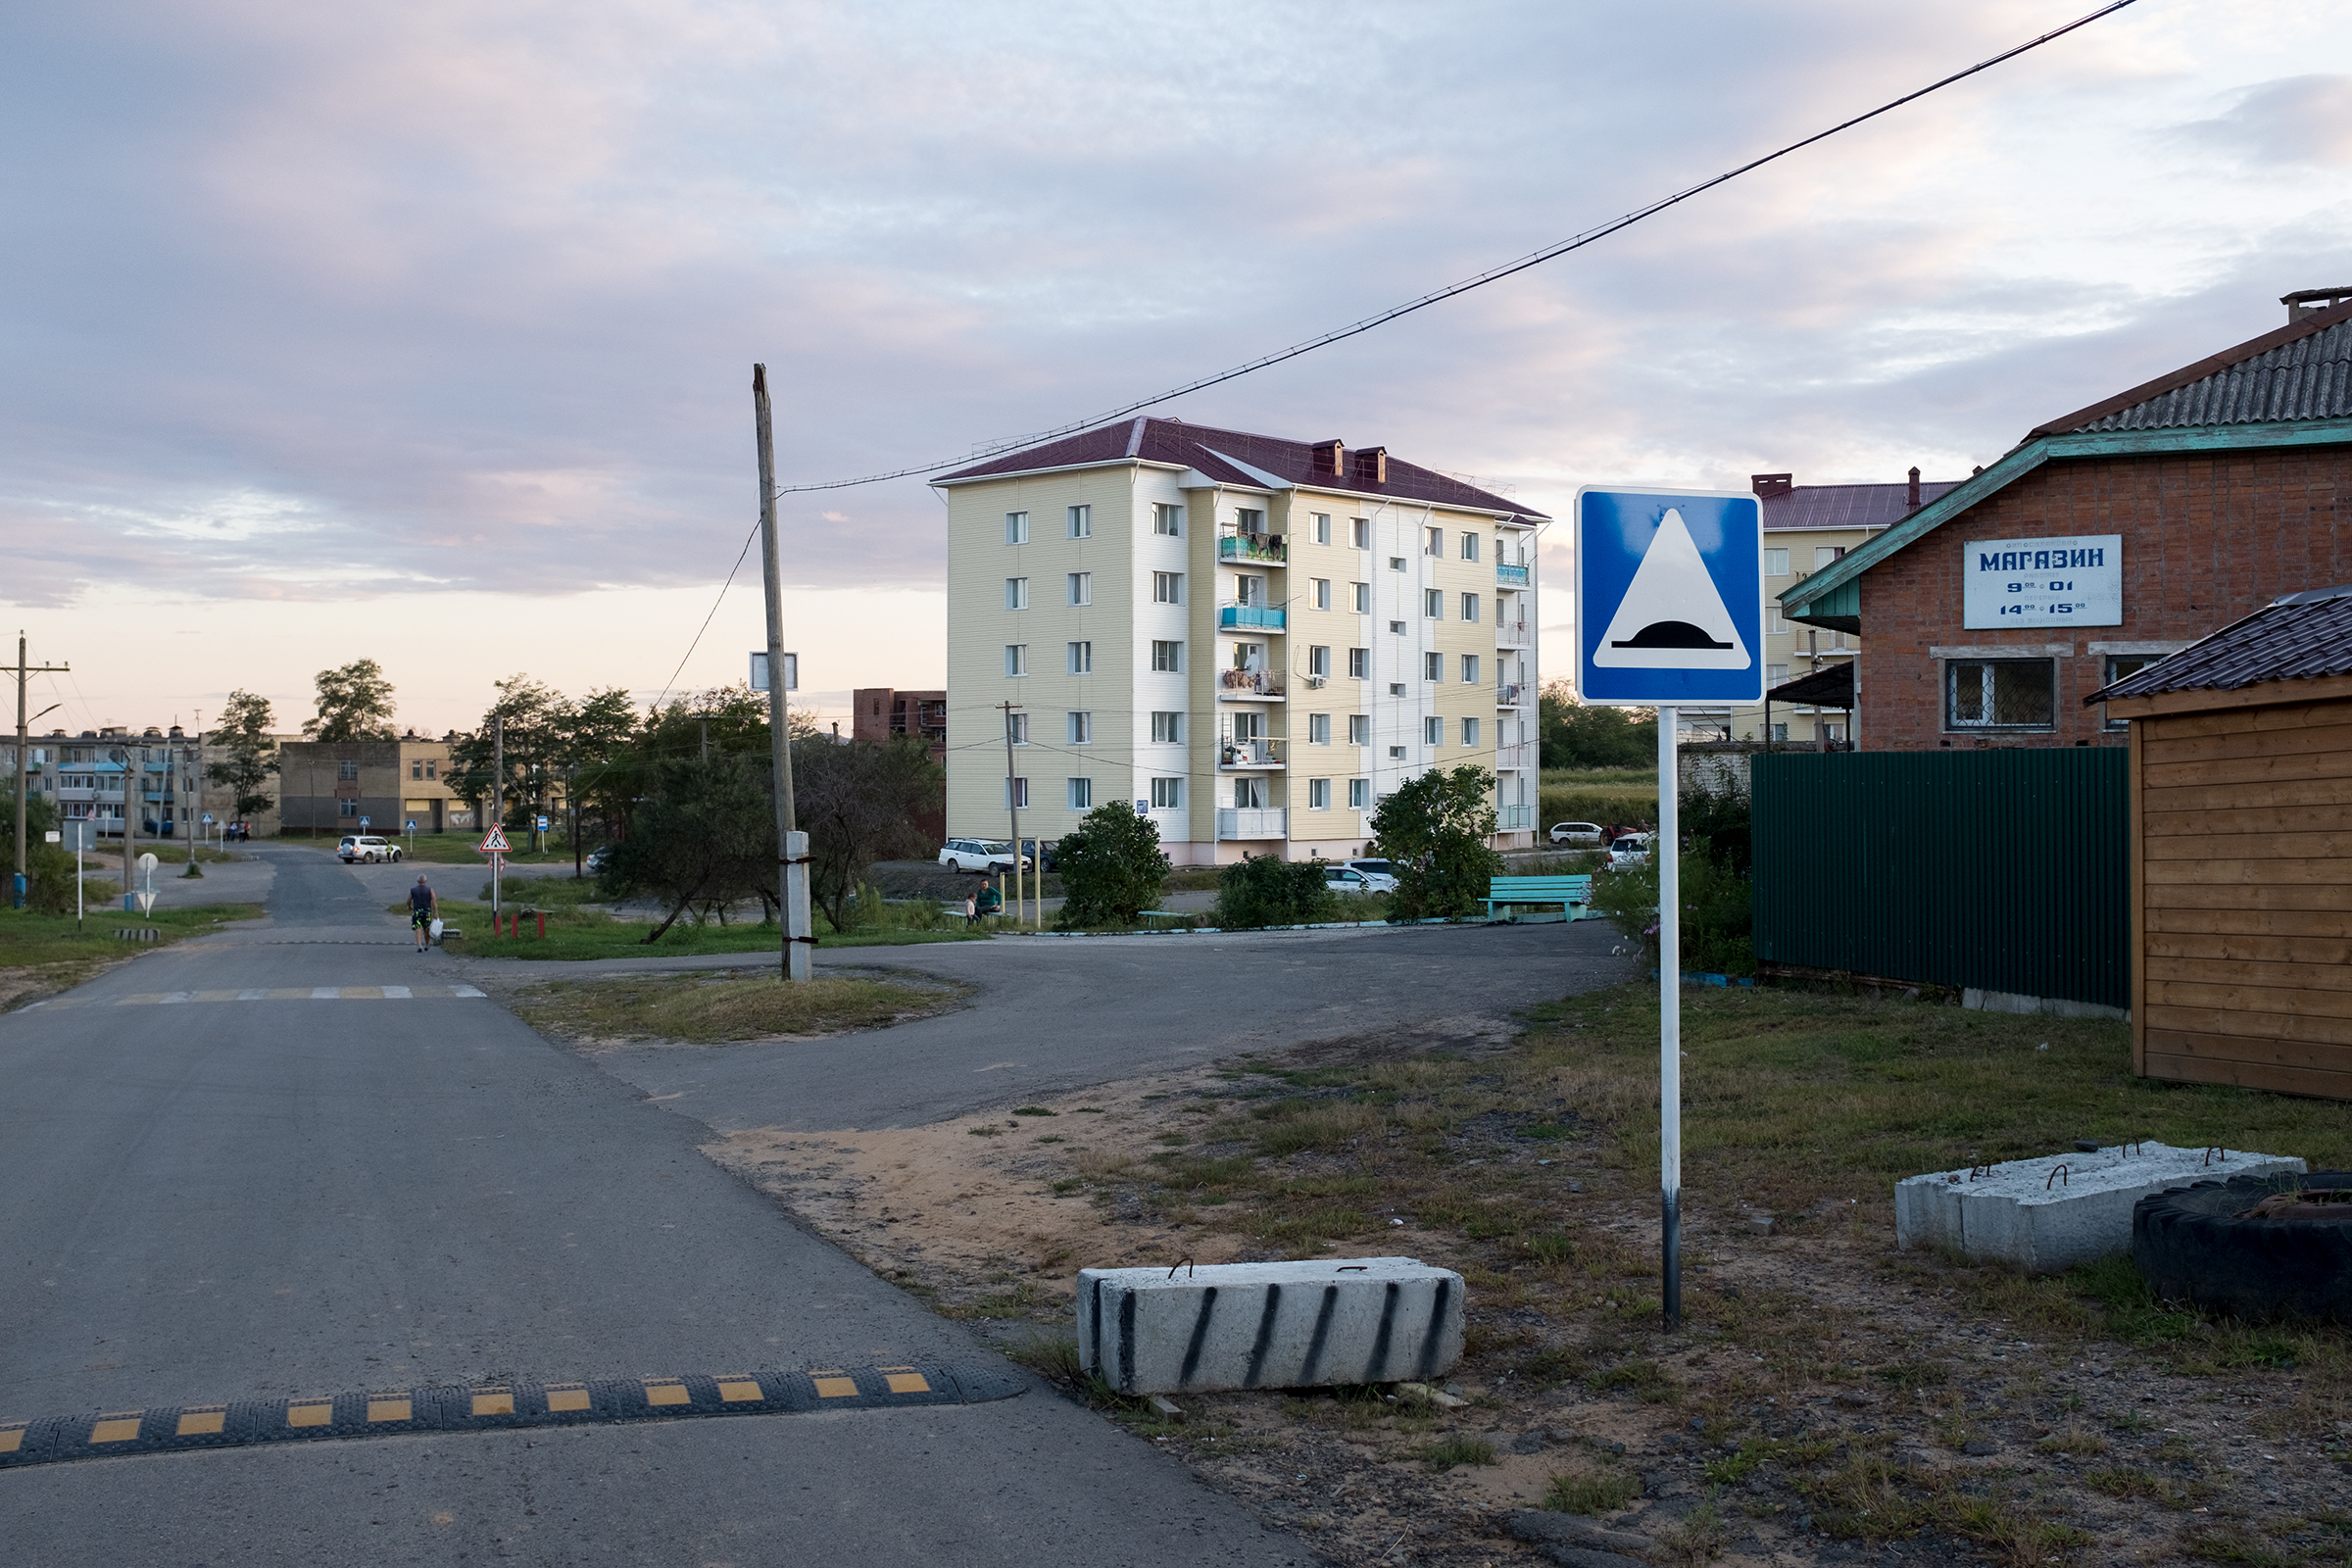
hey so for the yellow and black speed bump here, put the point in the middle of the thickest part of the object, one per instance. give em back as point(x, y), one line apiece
point(98, 1434)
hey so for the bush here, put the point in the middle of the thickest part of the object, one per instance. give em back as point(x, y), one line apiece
point(1266, 890)
point(1718, 913)
point(1111, 869)
point(1436, 830)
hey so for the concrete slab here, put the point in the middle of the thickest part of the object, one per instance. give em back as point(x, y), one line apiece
point(1269, 1325)
point(2051, 1214)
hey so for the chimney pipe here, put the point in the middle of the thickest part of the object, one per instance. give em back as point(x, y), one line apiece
point(2311, 301)
point(1913, 497)
point(1769, 486)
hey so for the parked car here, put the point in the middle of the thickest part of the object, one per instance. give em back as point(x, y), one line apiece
point(1633, 849)
point(1348, 879)
point(1576, 832)
point(981, 854)
point(367, 848)
point(1029, 850)
point(599, 857)
point(1379, 869)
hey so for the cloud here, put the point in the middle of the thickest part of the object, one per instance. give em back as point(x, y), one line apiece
point(2302, 121)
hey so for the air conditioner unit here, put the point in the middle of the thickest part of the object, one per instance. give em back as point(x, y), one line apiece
point(1314, 683)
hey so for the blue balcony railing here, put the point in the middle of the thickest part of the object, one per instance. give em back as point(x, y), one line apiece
point(1256, 617)
point(1509, 576)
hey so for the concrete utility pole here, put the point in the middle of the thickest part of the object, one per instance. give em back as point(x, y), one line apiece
point(22, 673)
point(1013, 808)
point(792, 845)
point(498, 806)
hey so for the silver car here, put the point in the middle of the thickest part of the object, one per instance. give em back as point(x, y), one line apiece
point(368, 849)
point(981, 854)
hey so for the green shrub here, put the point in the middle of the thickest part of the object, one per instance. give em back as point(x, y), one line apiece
point(1437, 831)
point(1263, 890)
point(1111, 869)
point(1718, 911)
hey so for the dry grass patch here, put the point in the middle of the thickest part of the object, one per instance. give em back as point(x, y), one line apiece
point(704, 1008)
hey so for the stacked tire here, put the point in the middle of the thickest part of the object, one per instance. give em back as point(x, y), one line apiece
point(2191, 1244)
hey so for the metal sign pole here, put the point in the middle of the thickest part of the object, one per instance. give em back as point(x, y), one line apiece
point(1667, 852)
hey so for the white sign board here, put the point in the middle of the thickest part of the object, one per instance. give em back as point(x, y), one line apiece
point(792, 672)
point(2076, 580)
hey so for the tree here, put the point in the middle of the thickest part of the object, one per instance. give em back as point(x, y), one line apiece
point(1437, 831)
point(1580, 734)
point(251, 756)
point(702, 838)
point(601, 756)
point(1112, 867)
point(858, 804)
point(354, 703)
point(1266, 890)
point(48, 869)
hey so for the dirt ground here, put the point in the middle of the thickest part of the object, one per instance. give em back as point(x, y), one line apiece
point(1830, 1399)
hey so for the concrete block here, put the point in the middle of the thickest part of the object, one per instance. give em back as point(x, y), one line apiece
point(2030, 1213)
point(1268, 1325)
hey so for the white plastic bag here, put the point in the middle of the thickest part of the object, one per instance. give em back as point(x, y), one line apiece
point(436, 929)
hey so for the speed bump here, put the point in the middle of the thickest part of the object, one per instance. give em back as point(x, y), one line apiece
point(242, 1423)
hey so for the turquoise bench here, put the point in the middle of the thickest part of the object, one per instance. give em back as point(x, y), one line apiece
point(1573, 894)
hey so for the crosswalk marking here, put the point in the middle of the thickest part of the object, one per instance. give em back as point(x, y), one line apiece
point(151, 998)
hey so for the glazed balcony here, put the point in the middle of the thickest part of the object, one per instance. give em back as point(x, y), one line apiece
point(1511, 576)
point(1248, 686)
point(1262, 549)
point(1250, 822)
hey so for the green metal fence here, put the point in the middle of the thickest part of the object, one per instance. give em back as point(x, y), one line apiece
point(2007, 871)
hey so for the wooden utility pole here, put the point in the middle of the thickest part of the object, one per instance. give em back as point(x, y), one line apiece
point(791, 848)
point(1012, 806)
point(24, 671)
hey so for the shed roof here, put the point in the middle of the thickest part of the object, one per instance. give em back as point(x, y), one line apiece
point(1831, 686)
point(2299, 637)
point(1236, 457)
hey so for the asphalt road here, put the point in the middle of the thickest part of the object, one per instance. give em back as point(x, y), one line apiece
point(280, 1176)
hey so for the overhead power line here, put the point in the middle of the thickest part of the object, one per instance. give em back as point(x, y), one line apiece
point(1492, 274)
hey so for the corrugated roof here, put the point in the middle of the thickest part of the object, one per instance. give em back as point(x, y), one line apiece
point(1235, 457)
point(1848, 506)
point(2295, 638)
point(1832, 686)
point(2303, 371)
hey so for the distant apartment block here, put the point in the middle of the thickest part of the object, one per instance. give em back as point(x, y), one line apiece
point(1254, 639)
point(84, 777)
point(880, 714)
point(338, 787)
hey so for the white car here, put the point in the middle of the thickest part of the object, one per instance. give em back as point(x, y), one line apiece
point(1382, 872)
point(981, 854)
point(367, 848)
point(1348, 879)
point(1576, 832)
point(1632, 850)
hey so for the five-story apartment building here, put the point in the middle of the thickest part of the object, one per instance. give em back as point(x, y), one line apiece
point(1252, 638)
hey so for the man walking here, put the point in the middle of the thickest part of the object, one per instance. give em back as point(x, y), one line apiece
point(424, 904)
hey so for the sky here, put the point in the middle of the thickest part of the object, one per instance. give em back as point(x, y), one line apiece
point(424, 332)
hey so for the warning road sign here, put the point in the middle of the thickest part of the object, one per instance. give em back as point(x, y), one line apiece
point(1670, 596)
point(494, 841)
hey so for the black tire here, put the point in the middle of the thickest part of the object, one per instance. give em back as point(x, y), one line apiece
point(2190, 1247)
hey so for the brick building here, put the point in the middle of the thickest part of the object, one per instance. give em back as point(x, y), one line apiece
point(880, 714)
point(2107, 539)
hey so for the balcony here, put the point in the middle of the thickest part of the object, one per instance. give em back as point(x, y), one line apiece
point(1251, 823)
point(1266, 549)
point(1518, 756)
point(1512, 696)
point(1511, 576)
point(1251, 617)
point(1514, 818)
point(1514, 635)
point(1248, 686)
point(1257, 753)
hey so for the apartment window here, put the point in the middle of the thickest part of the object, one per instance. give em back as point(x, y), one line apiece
point(1016, 527)
point(1774, 674)
point(1469, 546)
point(1359, 793)
point(1469, 732)
point(1168, 728)
point(1470, 607)
point(1469, 669)
point(1774, 619)
point(1432, 666)
point(342, 809)
point(1082, 658)
point(1082, 522)
point(1322, 527)
point(2000, 694)
point(1318, 660)
point(1318, 794)
point(1437, 542)
point(1359, 532)
point(1433, 603)
point(1249, 590)
point(1318, 729)
point(1360, 598)
point(348, 772)
point(1016, 658)
point(1360, 729)
point(1167, 656)
point(1082, 794)
point(1167, 794)
point(1167, 520)
point(417, 767)
point(1780, 732)
point(1082, 730)
point(1017, 593)
point(1823, 555)
point(1322, 587)
point(1776, 562)
point(1167, 587)
point(1016, 793)
point(1395, 753)
point(2118, 667)
point(1395, 688)
point(1359, 664)
point(1396, 628)
point(1433, 731)
point(432, 765)
point(1247, 520)
point(1017, 725)
point(1082, 587)
point(1396, 563)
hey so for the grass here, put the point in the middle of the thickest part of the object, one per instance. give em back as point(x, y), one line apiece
point(711, 1008)
point(1591, 1492)
point(1598, 795)
point(1456, 1449)
point(51, 945)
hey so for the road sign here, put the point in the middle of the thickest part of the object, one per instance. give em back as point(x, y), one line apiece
point(1670, 596)
point(362, 822)
point(494, 841)
point(543, 824)
point(207, 816)
point(412, 825)
point(792, 671)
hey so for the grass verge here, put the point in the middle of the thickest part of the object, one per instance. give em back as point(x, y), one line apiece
point(705, 1008)
point(41, 954)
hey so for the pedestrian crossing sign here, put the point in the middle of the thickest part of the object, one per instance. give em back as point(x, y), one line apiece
point(1670, 596)
point(494, 841)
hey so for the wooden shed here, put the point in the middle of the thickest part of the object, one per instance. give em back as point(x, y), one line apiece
point(2241, 869)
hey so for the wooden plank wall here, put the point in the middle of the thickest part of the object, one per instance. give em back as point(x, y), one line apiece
point(2244, 894)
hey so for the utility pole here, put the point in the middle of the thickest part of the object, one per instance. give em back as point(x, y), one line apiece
point(1013, 808)
point(22, 673)
point(792, 845)
point(498, 807)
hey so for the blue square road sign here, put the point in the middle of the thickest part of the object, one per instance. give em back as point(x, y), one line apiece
point(1670, 596)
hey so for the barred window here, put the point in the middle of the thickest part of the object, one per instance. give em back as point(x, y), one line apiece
point(2000, 694)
